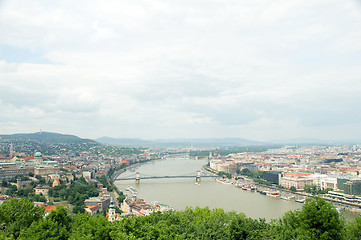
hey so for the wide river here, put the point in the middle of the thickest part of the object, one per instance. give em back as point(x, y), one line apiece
point(182, 192)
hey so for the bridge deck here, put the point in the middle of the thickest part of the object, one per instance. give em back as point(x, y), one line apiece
point(158, 177)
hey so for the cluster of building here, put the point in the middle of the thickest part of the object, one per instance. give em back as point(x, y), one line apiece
point(98, 204)
point(138, 207)
point(62, 168)
point(336, 167)
point(33, 164)
point(85, 163)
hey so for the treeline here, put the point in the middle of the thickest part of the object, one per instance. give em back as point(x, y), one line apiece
point(318, 219)
point(229, 150)
point(28, 193)
point(76, 194)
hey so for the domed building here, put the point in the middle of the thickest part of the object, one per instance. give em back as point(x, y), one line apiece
point(44, 168)
point(38, 158)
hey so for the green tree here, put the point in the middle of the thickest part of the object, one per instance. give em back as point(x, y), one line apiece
point(353, 229)
point(228, 175)
point(293, 189)
point(198, 223)
point(12, 190)
point(55, 226)
point(4, 183)
point(79, 209)
point(90, 227)
point(318, 219)
point(16, 214)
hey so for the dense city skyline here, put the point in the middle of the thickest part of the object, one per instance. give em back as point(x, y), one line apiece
point(181, 69)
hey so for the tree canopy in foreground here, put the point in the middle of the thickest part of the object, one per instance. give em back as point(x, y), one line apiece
point(318, 219)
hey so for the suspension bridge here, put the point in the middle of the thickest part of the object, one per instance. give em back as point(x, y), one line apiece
point(137, 176)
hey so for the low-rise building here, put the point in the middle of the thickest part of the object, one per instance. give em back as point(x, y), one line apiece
point(272, 176)
point(136, 206)
point(102, 202)
point(46, 170)
point(42, 190)
point(22, 184)
point(10, 171)
point(297, 182)
point(92, 210)
point(48, 209)
point(353, 187)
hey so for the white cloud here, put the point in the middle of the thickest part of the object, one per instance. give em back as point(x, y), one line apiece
point(157, 69)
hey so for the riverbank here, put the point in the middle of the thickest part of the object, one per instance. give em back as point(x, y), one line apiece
point(116, 174)
point(209, 171)
point(287, 194)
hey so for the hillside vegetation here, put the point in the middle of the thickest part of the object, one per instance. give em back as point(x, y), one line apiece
point(47, 137)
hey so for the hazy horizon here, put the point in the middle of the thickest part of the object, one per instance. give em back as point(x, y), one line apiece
point(257, 70)
point(224, 139)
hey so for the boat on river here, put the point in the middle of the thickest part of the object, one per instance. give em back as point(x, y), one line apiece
point(131, 190)
point(273, 194)
point(223, 181)
point(285, 198)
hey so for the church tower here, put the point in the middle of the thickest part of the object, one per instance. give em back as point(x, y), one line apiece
point(111, 216)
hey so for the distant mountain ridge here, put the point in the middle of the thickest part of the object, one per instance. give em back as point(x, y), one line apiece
point(217, 142)
point(315, 141)
point(47, 137)
point(180, 142)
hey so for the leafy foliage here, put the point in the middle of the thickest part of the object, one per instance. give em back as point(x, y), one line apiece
point(221, 174)
point(190, 224)
point(314, 191)
point(103, 180)
point(317, 219)
point(55, 226)
point(76, 194)
point(90, 227)
point(28, 193)
point(17, 214)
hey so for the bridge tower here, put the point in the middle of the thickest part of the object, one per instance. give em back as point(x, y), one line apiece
point(198, 177)
point(137, 178)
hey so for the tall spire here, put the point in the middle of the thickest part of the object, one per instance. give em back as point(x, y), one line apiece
point(111, 202)
point(111, 214)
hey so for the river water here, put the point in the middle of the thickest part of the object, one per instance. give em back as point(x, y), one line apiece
point(182, 192)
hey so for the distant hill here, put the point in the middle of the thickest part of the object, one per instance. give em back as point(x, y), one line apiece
point(121, 141)
point(181, 142)
point(314, 141)
point(46, 137)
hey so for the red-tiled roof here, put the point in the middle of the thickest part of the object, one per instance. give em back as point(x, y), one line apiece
point(94, 208)
point(49, 208)
point(297, 174)
point(124, 161)
point(28, 158)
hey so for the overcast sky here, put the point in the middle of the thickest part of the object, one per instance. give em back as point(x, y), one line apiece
point(152, 69)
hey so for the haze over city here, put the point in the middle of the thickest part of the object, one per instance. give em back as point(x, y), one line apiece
point(260, 70)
